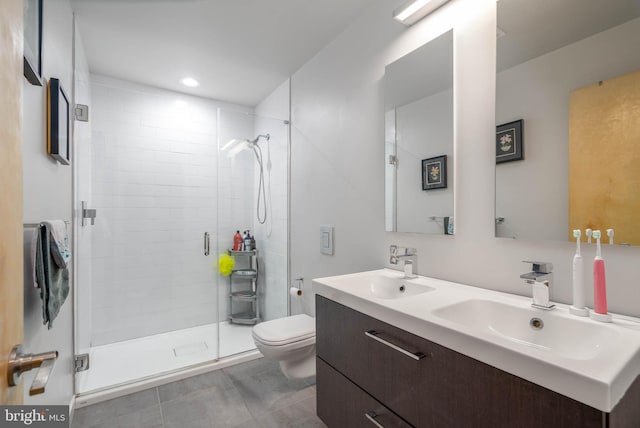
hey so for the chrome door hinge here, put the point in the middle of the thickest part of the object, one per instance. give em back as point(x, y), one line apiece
point(88, 214)
point(81, 362)
point(82, 112)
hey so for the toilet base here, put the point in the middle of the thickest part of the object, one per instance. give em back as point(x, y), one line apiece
point(298, 364)
point(300, 368)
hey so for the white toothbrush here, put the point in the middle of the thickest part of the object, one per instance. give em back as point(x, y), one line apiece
point(610, 235)
point(578, 307)
point(589, 233)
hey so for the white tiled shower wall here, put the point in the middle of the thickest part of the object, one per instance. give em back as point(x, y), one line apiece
point(155, 189)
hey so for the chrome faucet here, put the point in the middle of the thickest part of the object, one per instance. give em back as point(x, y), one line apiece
point(540, 278)
point(408, 257)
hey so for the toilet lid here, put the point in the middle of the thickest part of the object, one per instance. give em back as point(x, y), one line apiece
point(285, 330)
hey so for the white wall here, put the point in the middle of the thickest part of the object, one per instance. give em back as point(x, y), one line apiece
point(272, 236)
point(155, 189)
point(47, 195)
point(337, 165)
point(337, 151)
point(424, 129)
point(538, 92)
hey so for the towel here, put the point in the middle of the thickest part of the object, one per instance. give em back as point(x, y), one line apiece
point(60, 240)
point(51, 273)
point(58, 230)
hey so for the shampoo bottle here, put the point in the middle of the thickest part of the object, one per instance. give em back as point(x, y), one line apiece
point(599, 285)
point(247, 241)
point(237, 241)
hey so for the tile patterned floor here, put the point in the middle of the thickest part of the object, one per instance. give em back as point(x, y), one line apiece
point(249, 395)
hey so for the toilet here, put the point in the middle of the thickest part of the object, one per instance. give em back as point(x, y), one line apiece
point(291, 341)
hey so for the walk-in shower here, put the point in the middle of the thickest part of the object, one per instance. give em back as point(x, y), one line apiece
point(149, 300)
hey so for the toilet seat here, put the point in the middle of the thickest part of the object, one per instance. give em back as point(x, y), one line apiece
point(285, 331)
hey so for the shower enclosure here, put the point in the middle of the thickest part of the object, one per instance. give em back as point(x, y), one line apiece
point(150, 300)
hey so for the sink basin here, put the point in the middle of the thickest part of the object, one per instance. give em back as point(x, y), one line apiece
point(384, 284)
point(385, 287)
point(549, 331)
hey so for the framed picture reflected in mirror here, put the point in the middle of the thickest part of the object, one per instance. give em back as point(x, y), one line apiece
point(434, 173)
point(509, 141)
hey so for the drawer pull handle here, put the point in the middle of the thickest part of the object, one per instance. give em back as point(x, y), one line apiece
point(372, 418)
point(374, 335)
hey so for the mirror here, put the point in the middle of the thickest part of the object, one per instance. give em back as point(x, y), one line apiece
point(568, 72)
point(418, 92)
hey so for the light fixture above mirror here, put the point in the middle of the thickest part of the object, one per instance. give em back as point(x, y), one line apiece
point(413, 11)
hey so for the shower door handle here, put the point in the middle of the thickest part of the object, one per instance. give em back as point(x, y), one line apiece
point(207, 243)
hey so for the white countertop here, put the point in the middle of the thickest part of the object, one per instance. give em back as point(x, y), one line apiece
point(598, 378)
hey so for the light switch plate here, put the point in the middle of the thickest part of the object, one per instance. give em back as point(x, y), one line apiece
point(326, 239)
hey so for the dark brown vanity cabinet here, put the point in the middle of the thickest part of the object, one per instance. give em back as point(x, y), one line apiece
point(369, 372)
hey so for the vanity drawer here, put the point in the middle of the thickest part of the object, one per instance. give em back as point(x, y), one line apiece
point(342, 404)
point(397, 368)
point(442, 389)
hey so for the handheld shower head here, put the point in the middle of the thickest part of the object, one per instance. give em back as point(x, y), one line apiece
point(235, 146)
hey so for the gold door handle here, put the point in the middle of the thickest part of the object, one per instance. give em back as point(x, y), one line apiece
point(20, 363)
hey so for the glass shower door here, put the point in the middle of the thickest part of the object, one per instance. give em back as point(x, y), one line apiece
point(258, 203)
point(153, 172)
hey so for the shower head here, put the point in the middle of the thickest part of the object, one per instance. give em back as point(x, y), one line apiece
point(235, 146)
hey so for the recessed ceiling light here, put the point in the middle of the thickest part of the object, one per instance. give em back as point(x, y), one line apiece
point(190, 81)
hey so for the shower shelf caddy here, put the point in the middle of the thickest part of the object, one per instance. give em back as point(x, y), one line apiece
point(243, 287)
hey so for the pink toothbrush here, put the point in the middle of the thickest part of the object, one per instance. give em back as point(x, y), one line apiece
point(599, 285)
